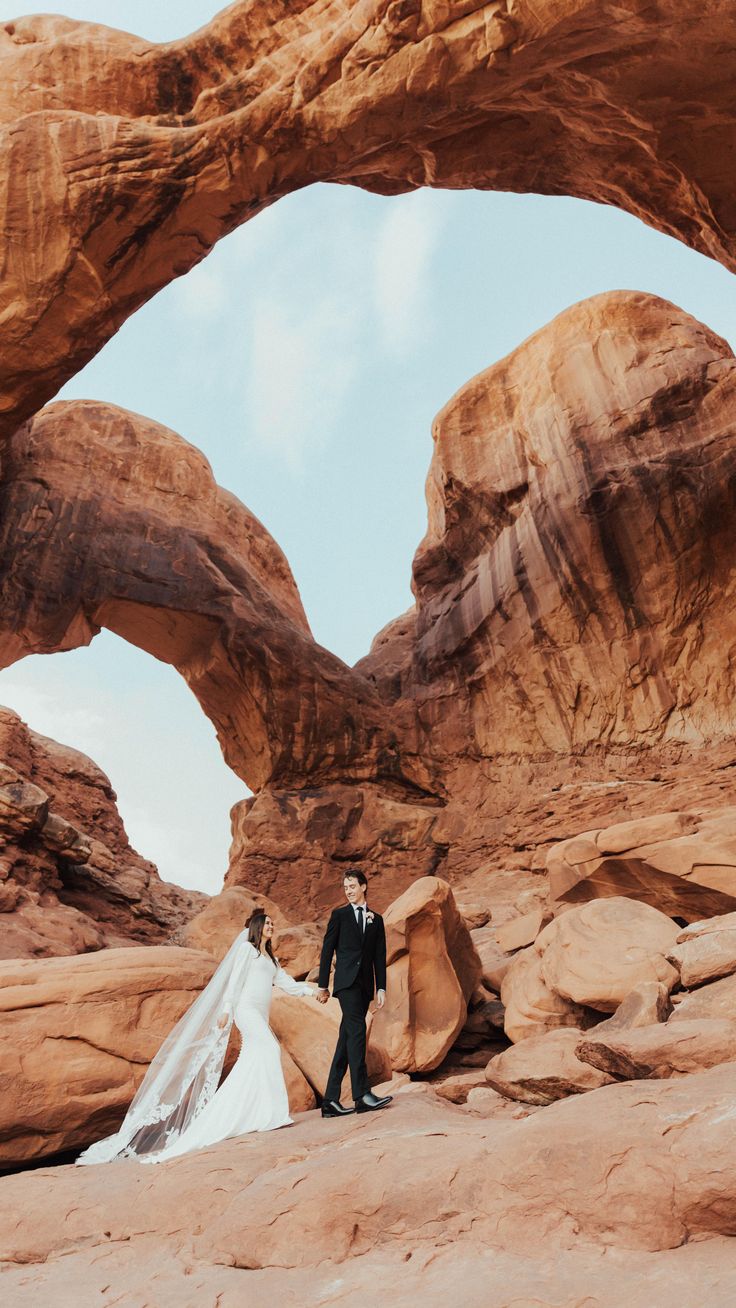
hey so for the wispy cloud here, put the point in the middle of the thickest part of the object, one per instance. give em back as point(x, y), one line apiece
point(302, 365)
point(403, 275)
point(203, 293)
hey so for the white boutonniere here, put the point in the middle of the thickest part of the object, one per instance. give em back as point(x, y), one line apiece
point(369, 917)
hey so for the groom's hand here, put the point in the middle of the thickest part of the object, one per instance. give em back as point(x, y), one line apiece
point(322, 996)
point(380, 998)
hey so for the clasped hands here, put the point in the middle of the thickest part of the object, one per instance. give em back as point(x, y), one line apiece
point(323, 995)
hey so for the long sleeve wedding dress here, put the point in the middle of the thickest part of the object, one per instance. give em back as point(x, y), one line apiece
point(178, 1106)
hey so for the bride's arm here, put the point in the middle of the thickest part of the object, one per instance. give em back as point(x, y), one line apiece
point(290, 986)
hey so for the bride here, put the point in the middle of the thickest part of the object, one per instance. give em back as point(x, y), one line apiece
point(178, 1106)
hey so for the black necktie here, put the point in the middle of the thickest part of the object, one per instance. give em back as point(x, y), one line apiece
point(361, 920)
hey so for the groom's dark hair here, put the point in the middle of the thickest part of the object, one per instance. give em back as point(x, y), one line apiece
point(357, 875)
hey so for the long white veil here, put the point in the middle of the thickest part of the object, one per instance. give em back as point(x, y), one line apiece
point(185, 1072)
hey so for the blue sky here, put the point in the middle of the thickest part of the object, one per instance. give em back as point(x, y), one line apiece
point(307, 357)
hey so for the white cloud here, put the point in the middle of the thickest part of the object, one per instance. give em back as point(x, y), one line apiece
point(303, 362)
point(405, 248)
point(203, 292)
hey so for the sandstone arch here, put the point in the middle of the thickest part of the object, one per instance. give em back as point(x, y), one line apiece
point(135, 158)
point(109, 519)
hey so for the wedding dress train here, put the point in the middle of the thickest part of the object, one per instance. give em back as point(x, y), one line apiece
point(253, 1098)
point(178, 1106)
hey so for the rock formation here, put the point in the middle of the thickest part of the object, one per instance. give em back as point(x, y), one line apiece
point(432, 972)
point(567, 668)
point(574, 583)
point(180, 568)
point(662, 1050)
point(544, 1068)
point(223, 918)
point(586, 962)
point(69, 879)
point(705, 950)
point(603, 1176)
point(149, 153)
point(681, 863)
point(77, 1036)
point(567, 594)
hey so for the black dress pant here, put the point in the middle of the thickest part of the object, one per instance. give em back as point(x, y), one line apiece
point(350, 1049)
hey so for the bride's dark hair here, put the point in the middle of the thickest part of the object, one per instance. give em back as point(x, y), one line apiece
point(255, 925)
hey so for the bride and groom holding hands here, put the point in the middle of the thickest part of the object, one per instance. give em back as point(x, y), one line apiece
point(180, 1104)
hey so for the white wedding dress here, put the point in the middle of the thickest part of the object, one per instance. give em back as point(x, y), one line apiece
point(178, 1106)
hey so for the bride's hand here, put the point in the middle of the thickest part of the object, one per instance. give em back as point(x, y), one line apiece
point(223, 1021)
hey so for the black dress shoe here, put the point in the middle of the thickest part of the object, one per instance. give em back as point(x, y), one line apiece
point(333, 1108)
point(369, 1103)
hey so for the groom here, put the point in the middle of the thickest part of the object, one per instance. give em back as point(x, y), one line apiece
point(357, 937)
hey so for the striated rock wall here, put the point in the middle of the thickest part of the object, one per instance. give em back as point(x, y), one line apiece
point(576, 582)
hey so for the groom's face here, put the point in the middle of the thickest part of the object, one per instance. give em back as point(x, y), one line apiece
point(353, 890)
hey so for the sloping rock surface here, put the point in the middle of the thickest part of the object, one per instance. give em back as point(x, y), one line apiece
point(333, 1210)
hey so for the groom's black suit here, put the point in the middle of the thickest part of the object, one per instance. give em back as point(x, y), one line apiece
point(360, 966)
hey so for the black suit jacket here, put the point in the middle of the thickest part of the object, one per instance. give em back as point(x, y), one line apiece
point(357, 957)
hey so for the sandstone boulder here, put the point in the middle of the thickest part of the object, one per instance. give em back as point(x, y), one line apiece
point(494, 961)
point(543, 1068)
point(298, 948)
point(214, 929)
point(457, 1086)
point(521, 931)
point(77, 1035)
point(596, 954)
point(714, 1000)
point(705, 950)
point(683, 863)
point(662, 1050)
point(433, 969)
point(531, 1007)
point(647, 1003)
point(301, 1095)
point(308, 1030)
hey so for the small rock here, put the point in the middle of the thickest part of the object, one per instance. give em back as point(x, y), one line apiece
point(543, 1068)
point(662, 1050)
